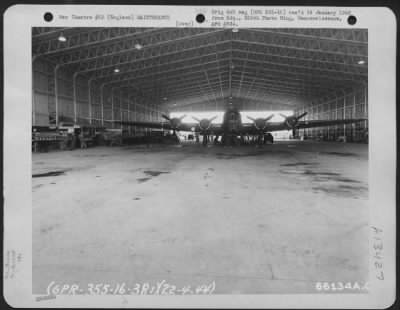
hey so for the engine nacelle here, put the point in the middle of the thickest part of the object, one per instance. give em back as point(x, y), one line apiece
point(292, 122)
point(204, 124)
point(175, 122)
point(260, 123)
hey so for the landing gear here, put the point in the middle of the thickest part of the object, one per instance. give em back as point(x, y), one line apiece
point(229, 140)
point(175, 136)
point(223, 140)
point(205, 140)
point(259, 140)
point(241, 139)
point(264, 138)
point(268, 138)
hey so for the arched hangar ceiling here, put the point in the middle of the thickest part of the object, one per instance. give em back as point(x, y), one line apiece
point(183, 67)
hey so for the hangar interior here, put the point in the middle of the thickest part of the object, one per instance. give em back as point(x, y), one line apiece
point(91, 76)
point(281, 218)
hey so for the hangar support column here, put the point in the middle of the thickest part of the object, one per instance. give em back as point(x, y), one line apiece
point(74, 88)
point(33, 92)
point(353, 115)
point(344, 111)
point(90, 101)
point(135, 115)
point(56, 92)
point(112, 106)
point(102, 103)
point(129, 112)
point(120, 107)
point(365, 114)
point(336, 117)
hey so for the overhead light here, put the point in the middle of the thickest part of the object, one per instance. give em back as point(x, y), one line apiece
point(138, 46)
point(230, 97)
point(361, 62)
point(174, 103)
point(62, 38)
point(116, 70)
point(165, 98)
point(235, 29)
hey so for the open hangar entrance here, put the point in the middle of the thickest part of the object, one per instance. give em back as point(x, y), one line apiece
point(237, 220)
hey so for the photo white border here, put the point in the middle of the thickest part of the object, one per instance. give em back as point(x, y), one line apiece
point(18, 23)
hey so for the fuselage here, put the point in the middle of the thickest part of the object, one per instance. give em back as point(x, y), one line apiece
point(232, 121)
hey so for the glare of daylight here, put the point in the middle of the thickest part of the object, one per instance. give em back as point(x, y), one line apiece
point(220, 114)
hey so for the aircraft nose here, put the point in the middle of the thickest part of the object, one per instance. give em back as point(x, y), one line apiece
point(232, 125)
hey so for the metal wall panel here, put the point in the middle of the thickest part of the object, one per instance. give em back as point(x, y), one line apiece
point(41, 119)
point(107, 114)
point(41, 103)
point(82, 109)
point(40, 81)
point(83, 121)
point(65, 74)
point(116, 115)
point(82, 92)
point(350, 104)
point(340, 102)
point(65, 107)
point(74, 89)
point(65, 88)
point(96, 111)
point(348, 113)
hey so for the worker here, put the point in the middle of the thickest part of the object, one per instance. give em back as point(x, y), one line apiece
point(35, 143)
point(82, 140)
point(73, 141)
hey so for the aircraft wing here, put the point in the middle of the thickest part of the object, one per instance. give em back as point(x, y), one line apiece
point(161, 125)
point(312, 123)
point(215, 129)
point(248, 129)
point(158, 125)
point(316, 123)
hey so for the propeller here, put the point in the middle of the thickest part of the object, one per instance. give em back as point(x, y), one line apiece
point(293, 121)
point(166, 117)
point(174, 122)
point(260, 123)
point(204, 123)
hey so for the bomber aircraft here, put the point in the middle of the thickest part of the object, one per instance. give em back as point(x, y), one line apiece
point(233, 127)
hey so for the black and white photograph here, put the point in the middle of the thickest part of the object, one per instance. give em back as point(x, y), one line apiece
point(165, 154)
point(193, 160)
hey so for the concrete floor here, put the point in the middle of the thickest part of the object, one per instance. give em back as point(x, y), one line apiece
point(274, 219)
